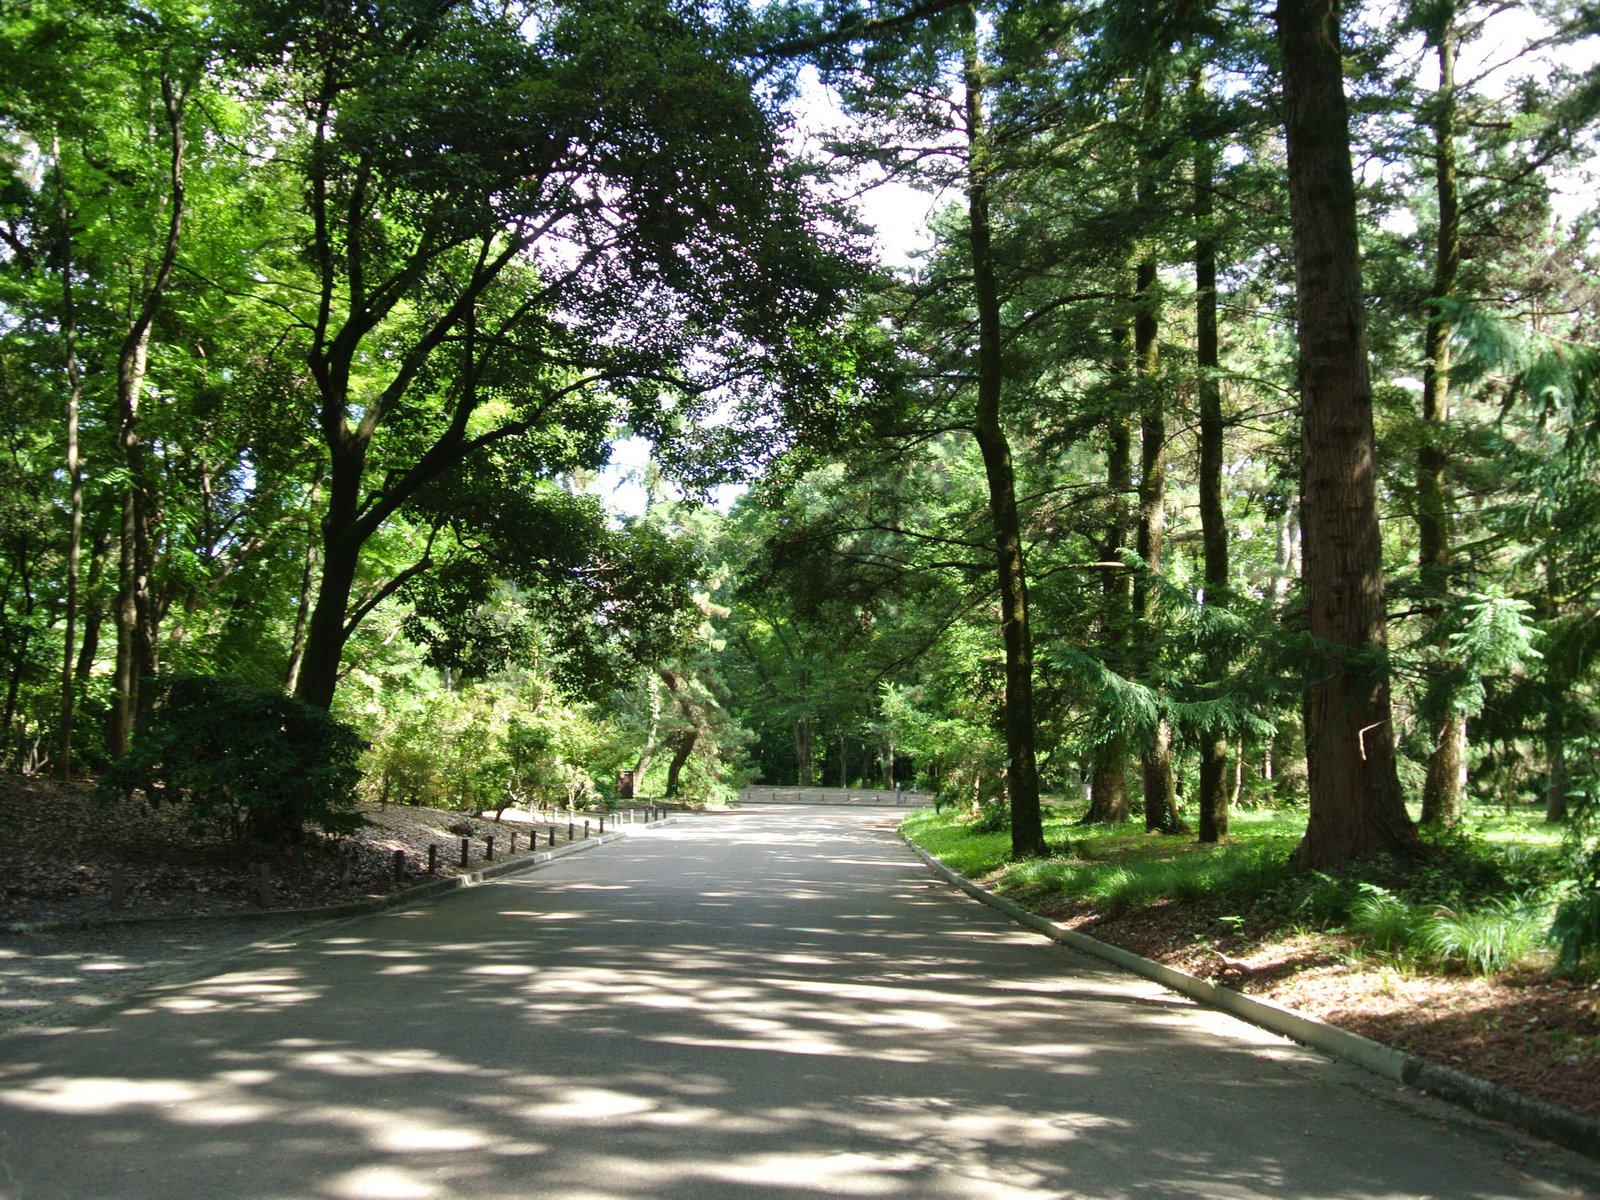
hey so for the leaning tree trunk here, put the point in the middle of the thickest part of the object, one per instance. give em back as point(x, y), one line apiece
point(1022, 773)
point(683, 743)
point(1441, 792)
point(1356, 806)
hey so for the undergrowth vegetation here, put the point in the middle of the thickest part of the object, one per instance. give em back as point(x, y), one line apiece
point(1483, 902)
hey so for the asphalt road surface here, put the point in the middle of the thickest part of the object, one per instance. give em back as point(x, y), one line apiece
point(779, 1003)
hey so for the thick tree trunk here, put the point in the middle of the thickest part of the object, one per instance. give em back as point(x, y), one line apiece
point(326, 636)
point(803, 771)
point(1108, 784)
point(345, 529)
point(1022, 774)
point(1356, 806)
point(684, 740)
point(1555, 779)
point(1213, 520)
point(1446, 778)
point(683, 747)
point(302, 615)
point(1214, 800)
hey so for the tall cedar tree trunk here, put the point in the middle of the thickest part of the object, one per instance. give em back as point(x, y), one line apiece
point(69, 339)
point(1441, 793)
point(135, 610)
point(1108, 778)
point(1160, 790)
point(1356, 806)
point(1160, 794)
point(1213, 521)
point(1022, 774)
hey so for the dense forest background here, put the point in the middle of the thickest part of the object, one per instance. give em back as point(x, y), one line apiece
point(1227, 438)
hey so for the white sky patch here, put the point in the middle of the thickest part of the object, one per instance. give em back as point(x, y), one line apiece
point(898, 212)
point(1505, 51)
point(621, 482)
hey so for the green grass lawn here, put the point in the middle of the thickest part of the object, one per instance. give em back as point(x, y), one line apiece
point(1482, 902)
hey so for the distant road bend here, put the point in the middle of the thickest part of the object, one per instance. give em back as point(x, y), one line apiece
point(779, 1003)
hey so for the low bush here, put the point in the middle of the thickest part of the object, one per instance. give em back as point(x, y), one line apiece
point(1492, 938)
point(249, 761)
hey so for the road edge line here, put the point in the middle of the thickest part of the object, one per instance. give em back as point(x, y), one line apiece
point(1566, 1128)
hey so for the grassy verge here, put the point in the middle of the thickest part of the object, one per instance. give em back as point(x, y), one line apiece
point(1482, 903)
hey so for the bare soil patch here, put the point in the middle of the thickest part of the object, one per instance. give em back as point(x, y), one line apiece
point(72, 948)
point(62, 850)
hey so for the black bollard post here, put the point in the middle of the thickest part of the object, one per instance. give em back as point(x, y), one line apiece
point(586, 831)
point(602, 826)
point(119, 885)
point(464, 852)
point(513, 843)
point(488, 849)
point(433, 859)
point(552, 835)
point(399, 865)
point(569, 827)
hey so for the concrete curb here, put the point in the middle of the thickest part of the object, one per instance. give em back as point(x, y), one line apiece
point(355, 908)
point(1549, 1121)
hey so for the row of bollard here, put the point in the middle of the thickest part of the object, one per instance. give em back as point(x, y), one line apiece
point(263, 881)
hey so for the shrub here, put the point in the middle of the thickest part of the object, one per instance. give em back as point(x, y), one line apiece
point(1576, 931)
point(1388, 921)
point(993, 816)
point(1489, 939)
point(249, 761)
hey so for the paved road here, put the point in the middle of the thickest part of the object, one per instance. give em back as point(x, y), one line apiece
point(774, 1004)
